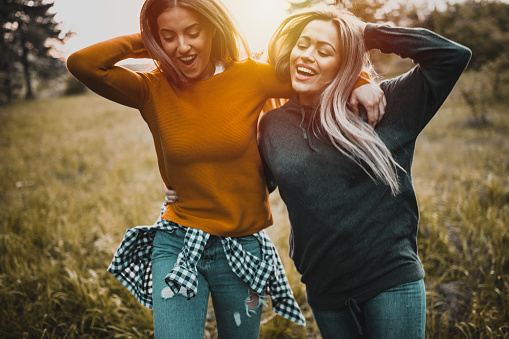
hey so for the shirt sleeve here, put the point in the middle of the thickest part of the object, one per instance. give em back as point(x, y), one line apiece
point(363, 79)
point(95, 66)
point(415, 97)
point(273, 86)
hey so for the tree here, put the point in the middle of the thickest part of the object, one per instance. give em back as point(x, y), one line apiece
point(483, 27)
point(480, 25)
point(368, 10)
point(26, 27)
point(499, 71)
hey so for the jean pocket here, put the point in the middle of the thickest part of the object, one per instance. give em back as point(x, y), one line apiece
point(167, 243)
point(251, 244)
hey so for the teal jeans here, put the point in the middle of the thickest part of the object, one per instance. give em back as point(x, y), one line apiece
point(238, 311)
point(398, 313)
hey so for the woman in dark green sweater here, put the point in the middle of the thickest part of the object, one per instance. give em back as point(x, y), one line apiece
point(347, 186)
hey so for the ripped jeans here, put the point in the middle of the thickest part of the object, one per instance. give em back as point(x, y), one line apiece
point(238, 311)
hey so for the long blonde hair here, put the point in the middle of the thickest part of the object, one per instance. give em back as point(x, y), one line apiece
point(228, 43)
point(352, 136)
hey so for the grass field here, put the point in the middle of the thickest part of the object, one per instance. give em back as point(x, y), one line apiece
point(75, 172)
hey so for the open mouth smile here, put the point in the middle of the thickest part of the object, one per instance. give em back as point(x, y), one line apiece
point(188, 60)
point(305, 71)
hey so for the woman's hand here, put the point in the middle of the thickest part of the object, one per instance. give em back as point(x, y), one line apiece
point(372, 98)
point(170, 196)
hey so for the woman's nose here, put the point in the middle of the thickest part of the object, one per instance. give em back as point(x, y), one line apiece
point(307, 55)
point(183, 46)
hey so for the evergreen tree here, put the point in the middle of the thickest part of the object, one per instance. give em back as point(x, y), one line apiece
point(26, 26)
point(368, 10)
point(483, 26)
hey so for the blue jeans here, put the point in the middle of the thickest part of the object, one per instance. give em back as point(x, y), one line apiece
point(399, 312)
point(178, 317)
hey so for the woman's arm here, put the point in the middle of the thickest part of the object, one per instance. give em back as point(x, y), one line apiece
point(416, 96)
point(95, 67)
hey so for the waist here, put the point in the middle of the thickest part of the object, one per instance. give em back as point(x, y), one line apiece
point(226, 221)
point(331, 299)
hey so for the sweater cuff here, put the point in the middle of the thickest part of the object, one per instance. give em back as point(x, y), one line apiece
point(370, 40)
point(363, 79)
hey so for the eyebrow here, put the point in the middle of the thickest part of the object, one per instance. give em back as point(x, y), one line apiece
point(165, 30)
point(320, 42)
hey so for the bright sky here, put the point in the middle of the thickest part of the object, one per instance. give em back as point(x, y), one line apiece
point(98, 20)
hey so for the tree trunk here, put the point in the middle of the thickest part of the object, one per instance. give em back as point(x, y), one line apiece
point(496, 84)
point(26, 69)
point(5, 82)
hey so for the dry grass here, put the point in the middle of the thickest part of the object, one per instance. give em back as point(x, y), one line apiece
point(77, 171)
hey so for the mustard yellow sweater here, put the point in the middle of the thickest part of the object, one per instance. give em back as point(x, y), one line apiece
point(205, 135)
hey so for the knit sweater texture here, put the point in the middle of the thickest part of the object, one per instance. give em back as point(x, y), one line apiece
point(351, 238)
point(204, 135)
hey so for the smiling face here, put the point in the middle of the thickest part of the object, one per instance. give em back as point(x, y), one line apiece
point(187, 40)
point(315, 60)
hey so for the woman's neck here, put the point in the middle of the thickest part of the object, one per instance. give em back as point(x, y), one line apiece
point(307, 100)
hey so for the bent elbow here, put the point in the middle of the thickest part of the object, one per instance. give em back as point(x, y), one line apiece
point(75, 65)
point(83, 67)
point(464, 55)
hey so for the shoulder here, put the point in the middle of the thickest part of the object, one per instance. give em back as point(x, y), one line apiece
point(268, 117)
point(151, 77)
point(251, 65)
point(275, 117)
point(268, 125)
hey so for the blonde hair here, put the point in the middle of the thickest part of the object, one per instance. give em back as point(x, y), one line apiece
point(228, 43)
point(352, 136)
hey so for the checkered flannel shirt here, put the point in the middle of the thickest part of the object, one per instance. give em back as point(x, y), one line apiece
point(132, 266)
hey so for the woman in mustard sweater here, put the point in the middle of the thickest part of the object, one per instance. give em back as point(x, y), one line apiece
point(201, 105)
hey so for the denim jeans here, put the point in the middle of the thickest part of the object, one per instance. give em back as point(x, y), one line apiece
point(178, 317)
point(399, 312)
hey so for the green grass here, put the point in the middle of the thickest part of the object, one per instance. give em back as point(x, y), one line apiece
point(75, 172)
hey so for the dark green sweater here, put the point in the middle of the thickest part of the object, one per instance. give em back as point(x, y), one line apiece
point(352, 239)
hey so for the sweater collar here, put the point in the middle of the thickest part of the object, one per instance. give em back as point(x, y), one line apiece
point(307, 114)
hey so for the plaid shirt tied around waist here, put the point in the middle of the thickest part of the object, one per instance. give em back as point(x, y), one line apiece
point(132, 266)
